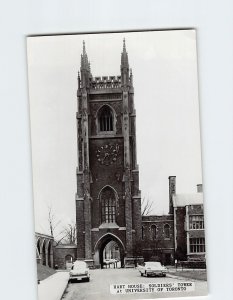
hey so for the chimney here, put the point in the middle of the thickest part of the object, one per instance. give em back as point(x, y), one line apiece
point(172, 191)
point(199, 188)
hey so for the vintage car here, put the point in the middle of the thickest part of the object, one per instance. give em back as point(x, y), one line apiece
point(79, 271)
point(152, 268)
point(109, 261)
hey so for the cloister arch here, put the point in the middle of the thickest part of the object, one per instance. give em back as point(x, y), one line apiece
point(44, 249)
point(43, 252)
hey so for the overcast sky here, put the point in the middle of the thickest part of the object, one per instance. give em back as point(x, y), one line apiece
point(164, 66)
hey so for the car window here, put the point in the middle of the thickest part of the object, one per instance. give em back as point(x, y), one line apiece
point(153, 264)
point(80, 264)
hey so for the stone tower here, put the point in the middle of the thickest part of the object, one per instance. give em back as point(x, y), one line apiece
point(108, 199)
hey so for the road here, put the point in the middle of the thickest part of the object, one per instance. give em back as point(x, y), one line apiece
point(99, 286)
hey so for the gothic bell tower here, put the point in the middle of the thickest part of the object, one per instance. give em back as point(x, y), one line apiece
point(108, 199)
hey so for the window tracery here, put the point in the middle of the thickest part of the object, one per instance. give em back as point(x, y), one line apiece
point(108, 205)
point(105, 119)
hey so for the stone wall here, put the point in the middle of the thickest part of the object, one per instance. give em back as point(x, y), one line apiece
point(62, 254)
point(158, 247)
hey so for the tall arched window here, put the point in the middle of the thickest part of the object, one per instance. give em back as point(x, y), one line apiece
point(143, 233)
point(108, 205)
point(105, 119)
point(153, 232)
point(166, 231)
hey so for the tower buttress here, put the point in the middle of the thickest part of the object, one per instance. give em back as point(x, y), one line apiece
point(124, 67)
point(83, 205)
point(85, 68)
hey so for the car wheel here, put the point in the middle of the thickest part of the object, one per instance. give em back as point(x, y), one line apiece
point(164, 275)
point(146, 274)
point(141, 274)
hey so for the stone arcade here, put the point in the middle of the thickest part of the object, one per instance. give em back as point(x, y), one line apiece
point(108, 199)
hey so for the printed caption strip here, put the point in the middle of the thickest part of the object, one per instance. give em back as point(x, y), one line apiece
point(138, 288)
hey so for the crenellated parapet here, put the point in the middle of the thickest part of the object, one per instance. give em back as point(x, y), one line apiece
point(105, 82)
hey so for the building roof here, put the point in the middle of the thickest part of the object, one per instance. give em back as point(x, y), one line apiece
point(42, 235)
point(181, 200)
point(157, 218)
point(66, 246)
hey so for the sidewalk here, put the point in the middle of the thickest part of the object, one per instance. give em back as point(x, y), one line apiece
point(53, 287)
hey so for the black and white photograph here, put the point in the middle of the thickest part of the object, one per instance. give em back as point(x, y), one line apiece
point(117, 165)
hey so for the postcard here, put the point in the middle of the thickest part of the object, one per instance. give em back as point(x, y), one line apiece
point(116, 156)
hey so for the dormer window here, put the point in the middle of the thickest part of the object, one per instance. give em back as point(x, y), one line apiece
point(106, 119)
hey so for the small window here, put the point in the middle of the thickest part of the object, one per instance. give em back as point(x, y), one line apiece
point(167, 231)
point(197, 245)
point(196, 222)
point(105, 119)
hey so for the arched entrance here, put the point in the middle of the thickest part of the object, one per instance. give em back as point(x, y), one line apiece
point(68, 261)
point(109, 243)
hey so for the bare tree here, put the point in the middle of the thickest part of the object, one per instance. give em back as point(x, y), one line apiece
point(69, 233)
point(53, 222)
point(147, 206)
point(61, 234)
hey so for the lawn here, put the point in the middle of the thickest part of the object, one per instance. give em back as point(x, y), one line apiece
point(44, 272)
point(191, 274)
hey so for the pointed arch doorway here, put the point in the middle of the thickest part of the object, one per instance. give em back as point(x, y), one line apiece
point(108, 246)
